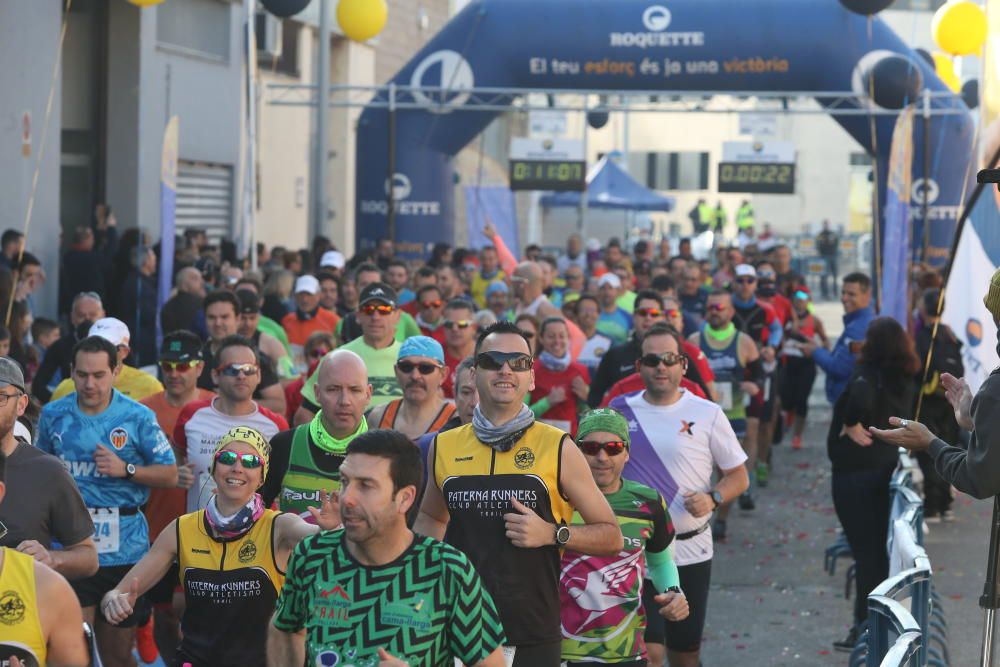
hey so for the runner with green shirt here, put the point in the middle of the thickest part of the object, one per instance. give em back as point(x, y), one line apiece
point(305, 460)
point(378, 314)
point(603, 620)
point(375, 594)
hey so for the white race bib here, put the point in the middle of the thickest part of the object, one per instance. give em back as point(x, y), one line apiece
point(724, 390)
point(106, 526)
point(508, 655)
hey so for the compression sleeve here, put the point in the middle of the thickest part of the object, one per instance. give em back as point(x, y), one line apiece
point(540, 407)
point(663, 569)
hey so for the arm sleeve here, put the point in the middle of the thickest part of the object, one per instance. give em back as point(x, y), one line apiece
point(659, 559)
point(975, 471)
point(281, 449)
point(662, 569)
point(291, 611)
point(540, 407)
point(507, 260)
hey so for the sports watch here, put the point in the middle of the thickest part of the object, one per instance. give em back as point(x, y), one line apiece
point(129, 471)
point(716, 498)
point(562, 535)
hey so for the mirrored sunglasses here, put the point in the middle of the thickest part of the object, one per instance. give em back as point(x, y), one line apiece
point(228, 457)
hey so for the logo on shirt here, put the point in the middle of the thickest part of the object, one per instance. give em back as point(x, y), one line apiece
point(247, 552)
point(332, 607)
point(12, 608)
point(686, 428)
point(524, 458)
point(119, 438)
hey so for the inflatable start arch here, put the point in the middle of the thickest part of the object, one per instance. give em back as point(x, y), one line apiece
point(690, 45)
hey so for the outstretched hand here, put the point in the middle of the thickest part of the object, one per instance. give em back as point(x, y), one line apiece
point(959, 394)
point(909, 434)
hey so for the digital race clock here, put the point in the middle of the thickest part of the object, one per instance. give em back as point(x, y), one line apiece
point(560, 175)
point(760, 177)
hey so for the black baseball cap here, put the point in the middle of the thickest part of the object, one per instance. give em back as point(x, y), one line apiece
point(249, 301)
point(181, 346)
point(378, 292)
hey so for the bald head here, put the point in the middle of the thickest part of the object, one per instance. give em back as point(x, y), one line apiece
point(343, 392)
point(189, 280)
point(527, 282)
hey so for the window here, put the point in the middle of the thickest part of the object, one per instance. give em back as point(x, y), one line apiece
point(199, 27)
point(670, 171)
point(205, 198)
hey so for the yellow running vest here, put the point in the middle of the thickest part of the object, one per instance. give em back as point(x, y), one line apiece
point(21, 633)
point(477, 483)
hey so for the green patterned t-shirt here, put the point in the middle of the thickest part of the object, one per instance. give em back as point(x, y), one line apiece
point(427, 607)
point(601, 596)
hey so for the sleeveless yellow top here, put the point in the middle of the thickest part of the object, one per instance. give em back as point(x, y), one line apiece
point(478, 483)
point(21, 633)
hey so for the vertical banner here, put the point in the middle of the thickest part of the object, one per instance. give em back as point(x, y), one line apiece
point(168, 209)
point(493, 204)
point(245, 234)
point(896, 246)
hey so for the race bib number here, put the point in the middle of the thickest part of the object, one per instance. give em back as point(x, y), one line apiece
point(725, 394)
point(508, 655)
point(106, 525)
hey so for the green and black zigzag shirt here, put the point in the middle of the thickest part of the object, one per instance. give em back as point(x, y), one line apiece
point(427, 607)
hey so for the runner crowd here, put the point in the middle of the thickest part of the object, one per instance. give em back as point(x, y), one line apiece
point(383, 462)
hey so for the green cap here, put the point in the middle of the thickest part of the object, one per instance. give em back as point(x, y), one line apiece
point(604, 419)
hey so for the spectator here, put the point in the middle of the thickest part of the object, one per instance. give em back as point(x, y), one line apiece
point(44, 332)
point(561, 384)
point(82, 268)
point(574, 255)
point(30, 278)
point(183, 311)
point(10, 248)
point(85, 310)
point(838, 364)
point(137, 304)
point(879, 387)
point(20, 327)
point(828, 247)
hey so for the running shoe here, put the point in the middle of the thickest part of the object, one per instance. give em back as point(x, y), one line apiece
point(146, 643)
point(763, 470)
point(848, 643)
point(797, 442)
point(719, 530)
point(746, 501)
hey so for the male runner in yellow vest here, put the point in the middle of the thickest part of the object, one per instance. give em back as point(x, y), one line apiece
point(503, 489)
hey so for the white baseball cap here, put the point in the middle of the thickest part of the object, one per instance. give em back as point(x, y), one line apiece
point(745, 270)
point(332, 258)
point(610, 279)
point(112, 330)
point(307, 284)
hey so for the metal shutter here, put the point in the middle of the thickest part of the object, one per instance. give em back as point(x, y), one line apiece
point(205, 198)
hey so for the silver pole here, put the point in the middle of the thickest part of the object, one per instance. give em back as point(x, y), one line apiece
point(581, 214)
point(322, 101)
point(989, 627)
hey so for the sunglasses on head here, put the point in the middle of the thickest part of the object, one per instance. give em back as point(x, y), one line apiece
point(381, 309)
point(457, 324)
point(178, 366)
point(594, 447)
point(436, 303)
point(228, 457)
point(668, 358)
point(649, 312)
point(425, 367)
point(234, 370)
point(519, 362)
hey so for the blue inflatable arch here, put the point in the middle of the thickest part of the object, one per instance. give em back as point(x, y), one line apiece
point(689, 45)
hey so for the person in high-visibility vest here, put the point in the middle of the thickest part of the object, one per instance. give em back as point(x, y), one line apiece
point(719, 218)
point(705, 217)
point(744, 216)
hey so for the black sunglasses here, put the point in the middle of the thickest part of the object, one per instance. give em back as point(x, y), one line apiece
point(668, 358)
point(425, 367)
point(519, 362)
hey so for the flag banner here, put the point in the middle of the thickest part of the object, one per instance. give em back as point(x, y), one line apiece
point(896, 245)
point(168, 211)
point(493, 204)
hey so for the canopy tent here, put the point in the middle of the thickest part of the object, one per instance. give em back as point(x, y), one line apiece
point(609, 187)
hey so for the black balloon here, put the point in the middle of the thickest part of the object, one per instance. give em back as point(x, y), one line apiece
point(970, 93)
point(926, 55)
point(866, 7)
point(598, 118)
point(895, 81)
point(285, 8)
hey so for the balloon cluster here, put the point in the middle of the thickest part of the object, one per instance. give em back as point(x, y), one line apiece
point(359, 20)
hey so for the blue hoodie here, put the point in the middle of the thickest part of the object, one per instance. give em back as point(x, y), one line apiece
point(839, 364)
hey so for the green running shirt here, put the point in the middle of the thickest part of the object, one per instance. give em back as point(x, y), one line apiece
point(427, 607)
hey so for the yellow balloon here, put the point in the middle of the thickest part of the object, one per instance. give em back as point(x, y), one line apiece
point(959, 28)
point(362, 19)
point(945, 70)
point(145, 3)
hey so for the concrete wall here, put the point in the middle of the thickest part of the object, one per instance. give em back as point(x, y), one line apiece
point(29, 36)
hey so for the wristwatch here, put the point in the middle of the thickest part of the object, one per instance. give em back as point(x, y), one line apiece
point(716, 499)
point(562, 535)
point(129, 470)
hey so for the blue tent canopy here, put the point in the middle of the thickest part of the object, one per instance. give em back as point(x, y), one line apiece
point(610, 188)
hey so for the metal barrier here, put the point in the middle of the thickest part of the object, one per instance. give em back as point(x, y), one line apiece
point(906, 625)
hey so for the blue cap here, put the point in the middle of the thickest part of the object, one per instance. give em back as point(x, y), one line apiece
point(421, 346)
point(497, 286)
